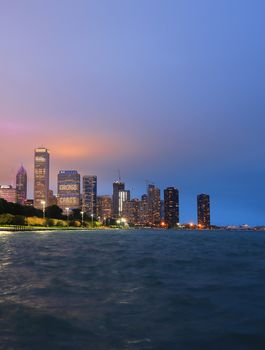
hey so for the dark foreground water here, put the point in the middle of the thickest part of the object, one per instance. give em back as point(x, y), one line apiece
point(132, 290)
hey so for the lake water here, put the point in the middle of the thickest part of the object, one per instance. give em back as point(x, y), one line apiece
point(132, 290)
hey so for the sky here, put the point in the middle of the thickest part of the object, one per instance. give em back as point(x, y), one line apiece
point(169, 91)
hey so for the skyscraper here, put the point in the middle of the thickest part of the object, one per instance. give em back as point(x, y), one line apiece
point(124, 196)
point(89, 204)
point(153, 197)
point(203, 210)
point(117, 186)
point(41, 177)
point(171, 204)
point(131, 211)
point(21, 185)
point(144, 214)
point(68, 190)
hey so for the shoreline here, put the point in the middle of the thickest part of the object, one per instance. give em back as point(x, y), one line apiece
point(60, 229)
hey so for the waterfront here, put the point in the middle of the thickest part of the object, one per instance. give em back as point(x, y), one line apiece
point(134, 289)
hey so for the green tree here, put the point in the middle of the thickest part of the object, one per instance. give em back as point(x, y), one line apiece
point(54, 212)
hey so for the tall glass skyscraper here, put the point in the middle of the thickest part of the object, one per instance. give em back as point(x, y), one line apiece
point(68, 190)
point(89, 205)
point(117, 187)
point(21, 185)
point(41, 177)
point(171, 205)
point(203, 210)
point(124, 196)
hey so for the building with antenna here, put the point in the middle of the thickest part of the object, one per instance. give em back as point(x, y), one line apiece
point(117, 187)
point(21, 185)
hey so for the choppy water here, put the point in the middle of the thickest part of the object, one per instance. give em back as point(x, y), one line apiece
point(132, 290)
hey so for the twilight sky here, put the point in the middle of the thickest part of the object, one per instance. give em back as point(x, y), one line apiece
point(171, 91)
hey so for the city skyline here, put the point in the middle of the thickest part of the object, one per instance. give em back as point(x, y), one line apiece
point(172, 94)
point(54, 189)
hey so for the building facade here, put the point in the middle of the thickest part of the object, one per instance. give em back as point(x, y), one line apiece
point(153, 198)
point(41, 177)
point(8, 193)
point(68, 190)
point(89, 197)
point(104, 204)
point(21, 185)
point(144, 213)
point(124, 196)
point(131, 211)
point(203, 210)
point(171, 206)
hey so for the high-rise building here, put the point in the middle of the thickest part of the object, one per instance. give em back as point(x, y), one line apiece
point(144, 213)
point(21, 185)
point(117, 187)
point(171, 204)
point(203, 210)
point(104, 204)
point(124, 196)
point(41, 177)
point(89, 199)
point(8, 193)
point(154, 205)
point(68, 190)
point(131, 211)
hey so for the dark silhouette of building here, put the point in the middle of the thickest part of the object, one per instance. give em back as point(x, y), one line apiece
point(21, 185)
point(171, 204)
point(203, 210)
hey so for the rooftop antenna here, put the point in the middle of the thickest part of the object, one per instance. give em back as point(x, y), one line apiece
point(12, 177)
point(119, 175)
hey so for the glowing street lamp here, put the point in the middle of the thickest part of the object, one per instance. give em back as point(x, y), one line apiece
point(92, 217)
point(67, 213)
point(82, 215)
point(43, 208)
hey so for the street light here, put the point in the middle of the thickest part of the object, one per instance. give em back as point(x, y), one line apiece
point(43, 208)
point(92, 216)
point(82, 215)
point(67, 213)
